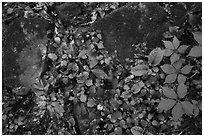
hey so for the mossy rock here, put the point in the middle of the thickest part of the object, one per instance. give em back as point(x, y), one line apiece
point(132, 24)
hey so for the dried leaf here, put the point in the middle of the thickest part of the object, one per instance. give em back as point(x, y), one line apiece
point(166, 104)
point(187, 107)
point(198, 36)
point(139, 70)
point(174, 57)
point(177, 112)
point(58, 108)
point(83, 98)
point(100, 45)
point(168, 69)
point(118, 131)
point(168, 44)
point(155, 56)
point(169, 92)
point(176, 42)
point(181, 79)
point(137, 87)
point(136, 130)
point(99, 73)
point(182, 90)
point(91, 103)
point(93, 62)
point(52, 56)
point(186, 69)
point(89, 82)
point(196, 51)
point(170, 78)
point(182, 49)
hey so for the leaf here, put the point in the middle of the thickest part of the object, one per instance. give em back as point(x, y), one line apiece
point(9, 10)
point(115, 116)
point(155, 56)
point(181, 79)
point(93, 62)
point(174, 57)
point(91, 103)
point(198, 36)
point(139, 70)
point(177, 112)
point(196, 51)
point(168, 69)
point(52, 56)
point(168, 52)
point(136, 130)
point(83, 98)
point(182, 90)
point(187, 107)
point(118, 131)
point(58, 108)
point(186, 69)
point(178, 64)
point(168, 45)
point(166, 104)
point(182, 48)
point(99, 73)
point(100, 45)
point(169, 92)
point(176, 42)
point(137, 87)
point(89, 82)
point(170, 78)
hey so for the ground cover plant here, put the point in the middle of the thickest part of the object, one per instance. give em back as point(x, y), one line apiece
point(61, 78)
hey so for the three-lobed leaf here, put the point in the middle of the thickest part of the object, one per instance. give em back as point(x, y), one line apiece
point(181, 79)
point(187, 107)
point(181, 90)
point(170, 78)
point(169, 92)
point(186, 69)
point(166, 104)
point(174, 57)
point(177, 112)
point(168, 69)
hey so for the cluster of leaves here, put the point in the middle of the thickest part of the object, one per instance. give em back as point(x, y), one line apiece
point(87, 92)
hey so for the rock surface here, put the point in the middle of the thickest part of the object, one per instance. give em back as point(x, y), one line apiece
point(23, 41)
point(132, 24)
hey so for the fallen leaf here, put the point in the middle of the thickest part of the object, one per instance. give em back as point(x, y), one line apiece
point(139, 70)
point(155, 56)
point(99, 73)
point(52, 56)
